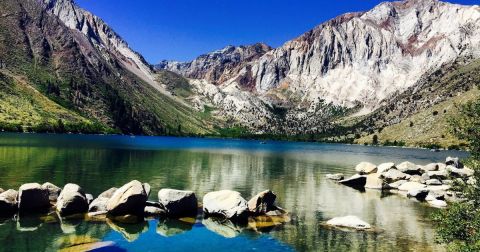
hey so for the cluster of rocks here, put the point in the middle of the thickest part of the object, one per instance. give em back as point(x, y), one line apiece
point(130, 204)
point(431, 183)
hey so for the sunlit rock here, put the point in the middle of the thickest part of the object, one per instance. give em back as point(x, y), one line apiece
point(419, 194)
point(366, 168)
point(349, 222)
point(393, 175)
point(53, 191)
point(385, 167)
point(72, 200)
point(397, 184)
point(433, 182)
point(128, 199)
point(178, 203)
point(374, 181)
point(438, 203)
point(335, 177)
point(151, 211)
point(409, 168)
point(262, 203)
point(8, 202)
point(408, 186)
point(225, 203)
point(453, 161)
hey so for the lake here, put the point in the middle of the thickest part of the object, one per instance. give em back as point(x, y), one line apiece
point(294, 171)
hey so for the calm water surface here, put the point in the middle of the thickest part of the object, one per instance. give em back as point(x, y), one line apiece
point(294, 171)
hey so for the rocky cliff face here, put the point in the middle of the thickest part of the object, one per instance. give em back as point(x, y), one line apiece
point(350, 63)
point(218, 66)
point(365, 57)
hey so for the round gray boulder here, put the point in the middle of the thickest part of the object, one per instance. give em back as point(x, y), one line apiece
point(8, 202)
point(72, 200)
point(178, 203)
point(32, 198)
point(128, 199)
point(225, 203)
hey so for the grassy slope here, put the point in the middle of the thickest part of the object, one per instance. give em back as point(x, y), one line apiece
point(24, 108)
point(427, 129)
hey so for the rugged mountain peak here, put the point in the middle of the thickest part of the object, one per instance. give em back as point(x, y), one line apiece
point(100, 35)
point(217, 66)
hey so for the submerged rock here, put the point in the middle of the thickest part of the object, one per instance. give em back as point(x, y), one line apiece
point(366, 168)
point(178, 203)
point(72, 200)
point(32, 197)
point(336, 176)
point(53, 191)
point(128, 199)
point(349, 222)
point(8, 203)
point(356, 181)
point(225, 203)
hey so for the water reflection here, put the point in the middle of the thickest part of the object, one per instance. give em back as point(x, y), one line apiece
point(294, 171)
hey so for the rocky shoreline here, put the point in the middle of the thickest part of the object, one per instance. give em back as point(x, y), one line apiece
point(222, 211)
point(432, 183)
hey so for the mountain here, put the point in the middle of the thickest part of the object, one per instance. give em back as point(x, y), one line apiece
point(218, 66)
point(79, 75)
point(352, 66)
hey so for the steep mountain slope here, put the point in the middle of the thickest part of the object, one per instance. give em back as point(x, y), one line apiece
point(349, 66)
point(75, 60)
point(420, 116)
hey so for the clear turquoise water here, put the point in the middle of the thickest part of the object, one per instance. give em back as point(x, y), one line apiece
point(294, 171)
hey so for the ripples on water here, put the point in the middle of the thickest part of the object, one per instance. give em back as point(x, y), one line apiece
point(294, 171)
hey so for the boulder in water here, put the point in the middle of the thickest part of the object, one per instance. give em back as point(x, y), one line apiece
point(409, 168)
point(178, 203)
point(393, 175)
point(8, 202)
point(33, 198)
point(385, 167)
point(349, 222)
point(53, 191)
point(366, 168)
point(128, 199)
point(72, 200)
point(408, 186)
point(262, 203)
point(225, 203)
point(356, 181)
point(336, 176)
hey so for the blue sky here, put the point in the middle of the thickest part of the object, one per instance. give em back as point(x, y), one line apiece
point(183, 29)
